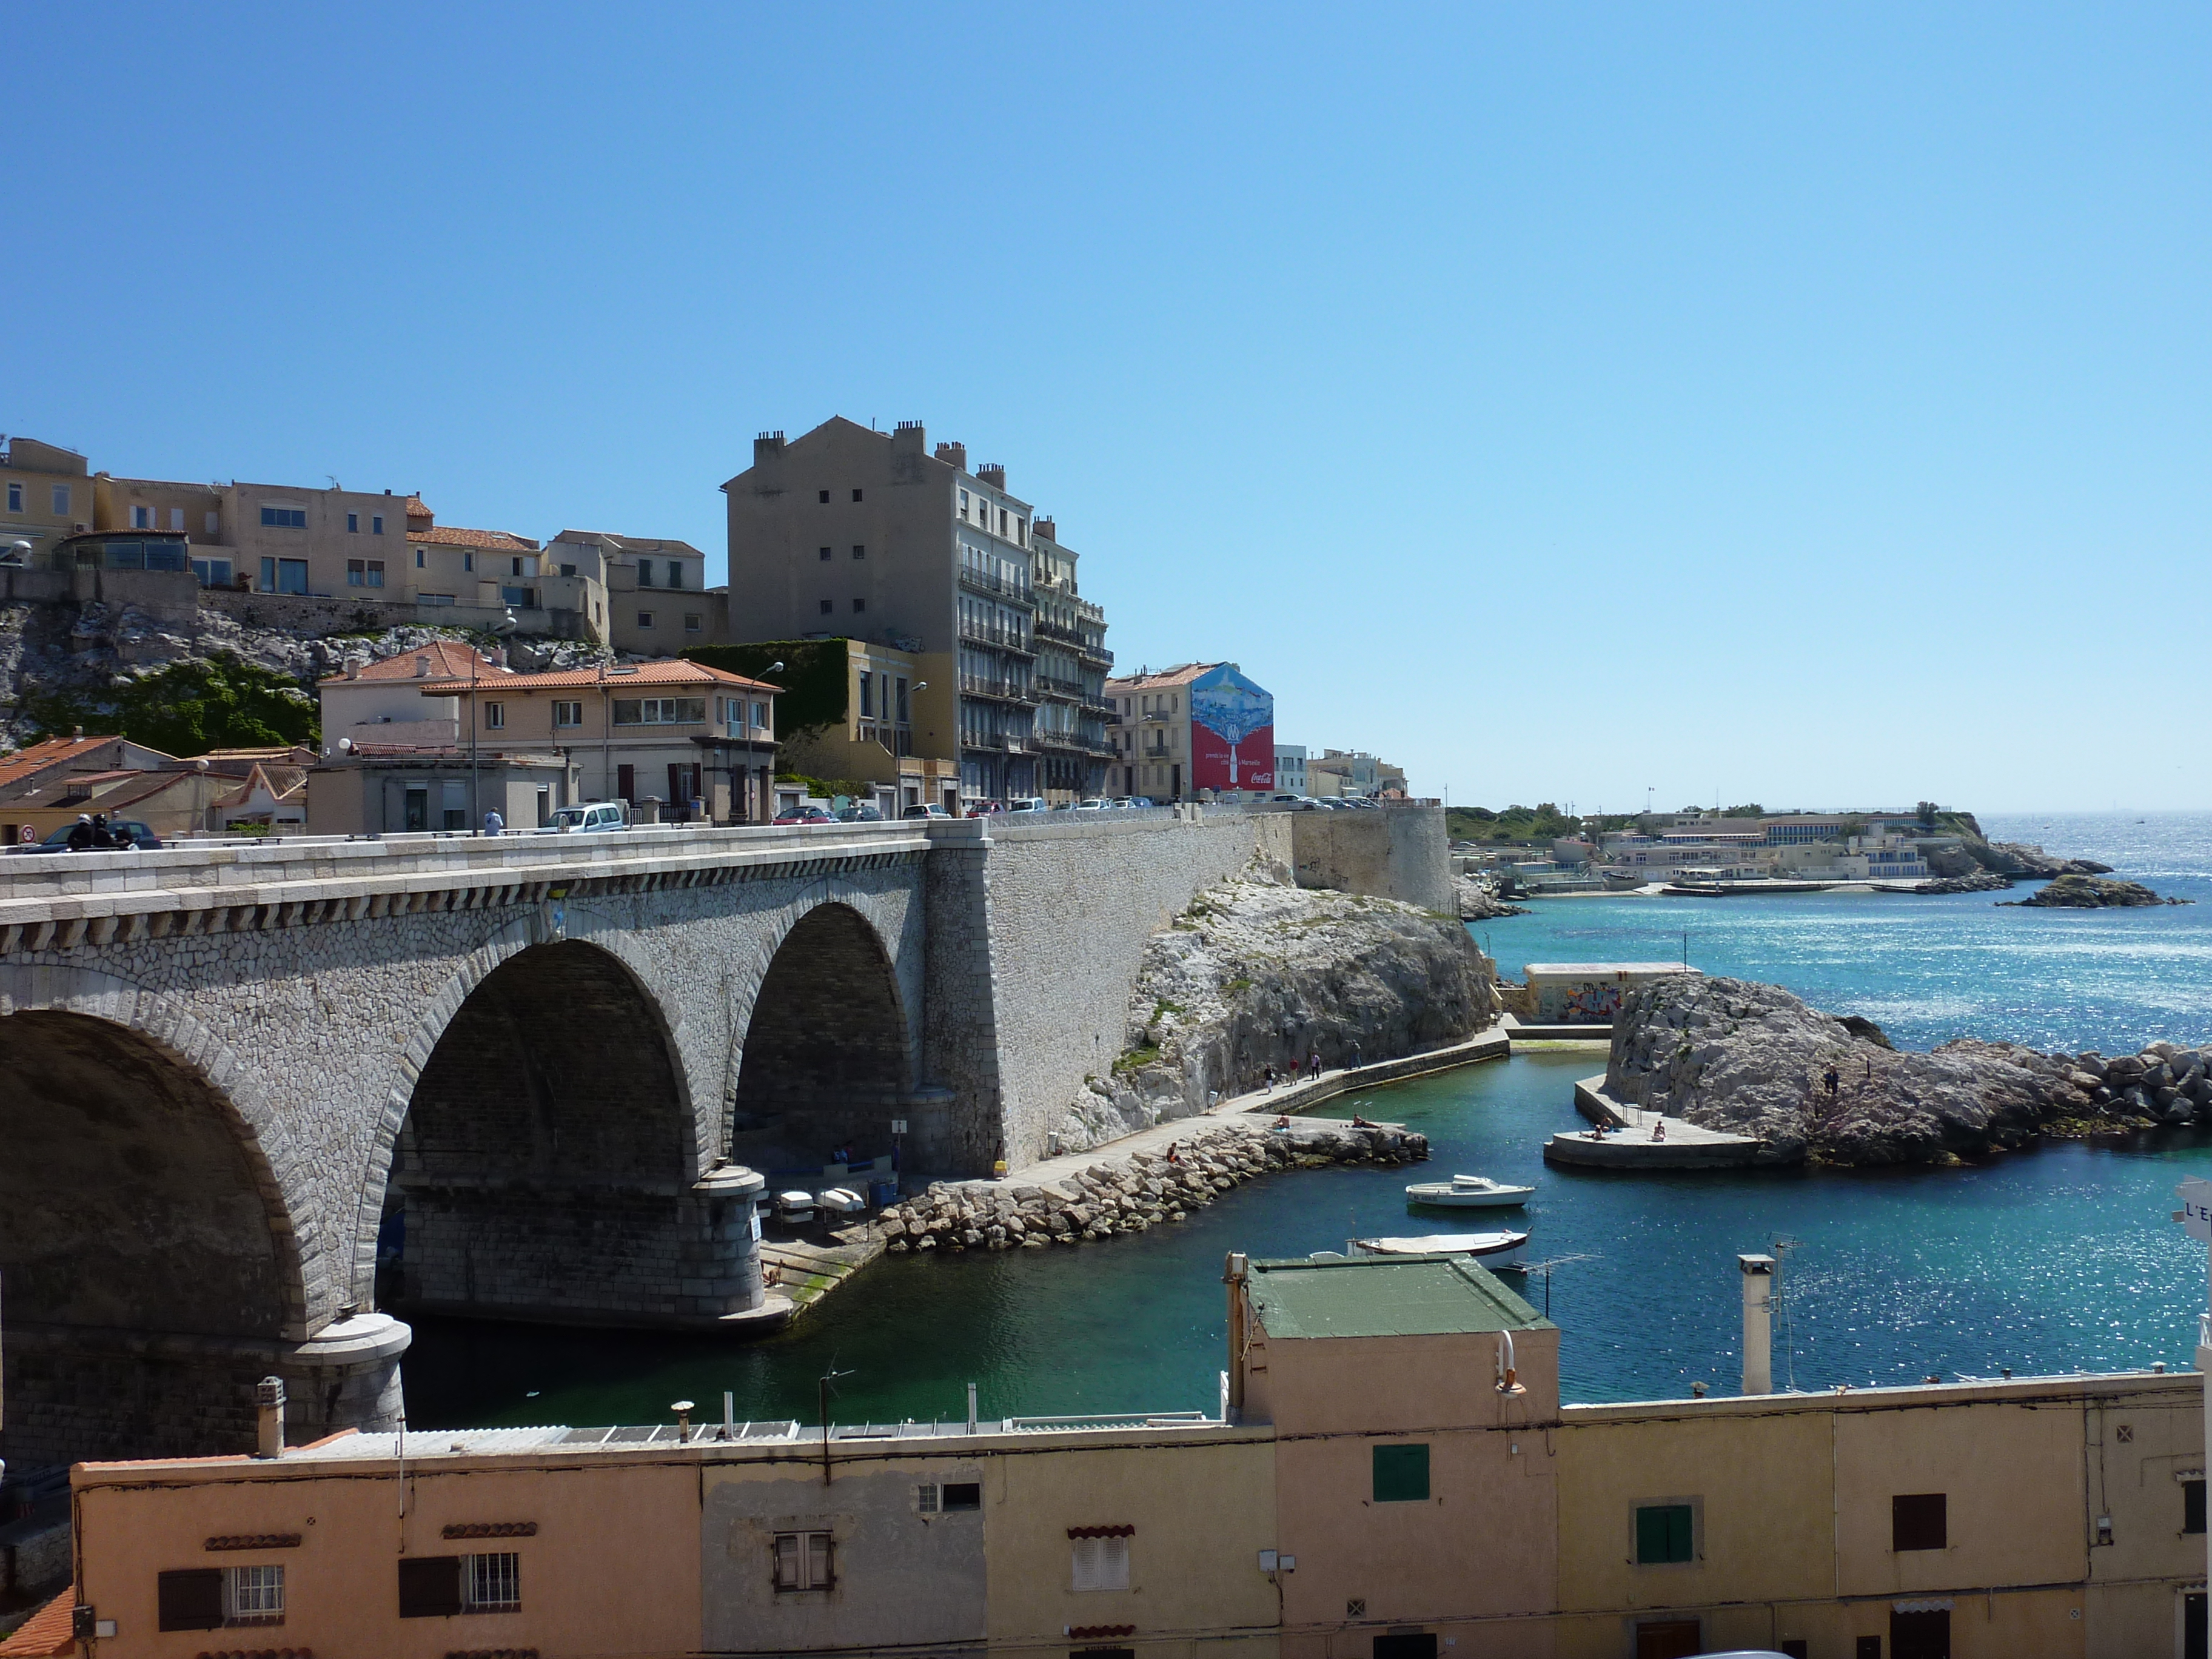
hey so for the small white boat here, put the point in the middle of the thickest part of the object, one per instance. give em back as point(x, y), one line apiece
point(1466, 1191)
point(1491, 1248)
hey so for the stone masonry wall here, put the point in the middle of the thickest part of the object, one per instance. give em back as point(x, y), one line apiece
point(1396, 852)
point(1070, 910)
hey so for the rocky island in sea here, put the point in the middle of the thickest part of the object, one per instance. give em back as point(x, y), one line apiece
point(2078, 892)
point(1749, 1058)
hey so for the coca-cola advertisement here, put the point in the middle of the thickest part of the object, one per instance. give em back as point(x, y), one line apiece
point(1232, 731)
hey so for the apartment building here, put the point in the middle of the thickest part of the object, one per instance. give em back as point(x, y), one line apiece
point(1200, 727)
point(696, 742)
point(1390, 1475)
point(649, 595)
point(1290, 768)
point(1354, 772)
point(1072, 710)
point(46, 494)
point(846, 532)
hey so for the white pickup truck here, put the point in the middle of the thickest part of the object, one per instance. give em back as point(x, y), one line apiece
point(590, 816)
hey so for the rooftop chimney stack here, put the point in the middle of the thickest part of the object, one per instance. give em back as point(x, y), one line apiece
point(269, 1399)
point(1758, 1323)
point(909, 434)
point(1046, 528)
point(421, 668)
point(767, 444)
point(953, 455)
point(993, 474)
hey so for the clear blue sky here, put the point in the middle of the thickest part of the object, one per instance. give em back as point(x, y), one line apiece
point(1805, 405)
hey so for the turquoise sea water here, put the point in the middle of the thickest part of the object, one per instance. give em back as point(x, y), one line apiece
point(2053, 1259)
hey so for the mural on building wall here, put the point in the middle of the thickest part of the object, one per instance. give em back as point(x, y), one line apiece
point(1232, 733)
point(1594, 1003)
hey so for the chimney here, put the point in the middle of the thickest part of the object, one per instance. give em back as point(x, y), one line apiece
point(77, 734)
point(993, 474)
point(269, 1400)
point(767, 444)
point(1758, 1323)
point(421, 668)
point(953, 455)
point(908, 434)
point(1046, 528)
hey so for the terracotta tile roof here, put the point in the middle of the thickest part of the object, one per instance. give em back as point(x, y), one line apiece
point(1180, 675)
point(418, 509)
point(668, 671)
point(450, 536)
point(449, 659)
point(281, 783)
point(45, 1634)
point(49, 751)
point(122, 789)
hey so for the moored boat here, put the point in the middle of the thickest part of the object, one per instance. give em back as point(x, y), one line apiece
point(1466, 1191)
point(1493, 1249)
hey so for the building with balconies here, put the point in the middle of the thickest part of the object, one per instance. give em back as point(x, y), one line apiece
point(1197, 728)
point(850, 532)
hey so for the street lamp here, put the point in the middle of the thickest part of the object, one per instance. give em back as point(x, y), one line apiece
point(505, 626)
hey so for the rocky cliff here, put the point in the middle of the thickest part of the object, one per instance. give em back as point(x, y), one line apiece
point(1256, 973)
point(1750, 1058)
point(1477, 904)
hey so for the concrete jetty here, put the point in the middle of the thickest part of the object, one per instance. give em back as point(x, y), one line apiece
point(1628, 1142)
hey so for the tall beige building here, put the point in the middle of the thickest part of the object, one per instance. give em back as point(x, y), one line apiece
point(847, 532)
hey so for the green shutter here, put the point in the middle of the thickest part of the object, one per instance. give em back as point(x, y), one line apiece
point(1401, 1474)
point(1662, 1533)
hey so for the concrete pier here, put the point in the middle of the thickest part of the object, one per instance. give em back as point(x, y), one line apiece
point(1627, 1143)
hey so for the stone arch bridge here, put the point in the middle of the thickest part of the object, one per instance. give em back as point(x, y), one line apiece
point(549, 1064)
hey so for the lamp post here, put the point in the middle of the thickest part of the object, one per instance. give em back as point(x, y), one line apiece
point(505, 626)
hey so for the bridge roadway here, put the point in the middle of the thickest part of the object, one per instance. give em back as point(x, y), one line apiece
point(542, 1069)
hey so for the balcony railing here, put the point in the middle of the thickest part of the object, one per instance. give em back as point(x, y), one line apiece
point(979, 685)
point(1053, 630)
point(1006, 639)
point(989, 581)
point(1097, 654)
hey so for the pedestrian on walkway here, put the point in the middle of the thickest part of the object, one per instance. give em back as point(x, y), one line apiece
point(1355, 1057)
point(493, 823)
point(1271, 1080)
point(1314, 1066)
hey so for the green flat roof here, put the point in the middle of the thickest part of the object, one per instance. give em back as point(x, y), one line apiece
point(1382, 1296)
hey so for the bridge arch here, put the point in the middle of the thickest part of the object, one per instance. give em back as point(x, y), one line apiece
point(145, 1193)
point(540, 1147)
point(825, 1053)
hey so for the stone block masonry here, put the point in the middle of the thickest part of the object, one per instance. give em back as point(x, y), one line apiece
point(1395, 852)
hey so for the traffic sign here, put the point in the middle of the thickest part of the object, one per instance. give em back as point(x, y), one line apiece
point(2196, 1212)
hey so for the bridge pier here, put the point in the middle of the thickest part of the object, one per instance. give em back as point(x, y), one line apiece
point(88, 1392)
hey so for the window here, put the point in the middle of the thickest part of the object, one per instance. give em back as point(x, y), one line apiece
point(827, 605)
point(901, 686)
point(660, 711)
point(567, 714)
point(283, 575)
point(963, 503)
point(177, 520)
point(418, 558)
point(433, 598)
point(934, 1500)
point(645, 619)
point(760, 716)
point(825, 555)
point(15, 498)
point(802, 1558)
point(1665, 1532)
point(61, 499)
point(491, 1583)
point(142, 518)
point(285, 518)
point(517, 571)
point(2192, 1505)
point(524, 597)
point(856, 495)
point(253, 1595)
point(567, 569)
point(858, 606)
point(1407, 1645)
point(693, 622)
point(364, 573)
point(496, 716)
point(644, 573)
point(824, 498)
point(454, 803)
point(867, 695)
point(1100, 1563)
point(860, 550)
point(212, 572)
point(376, 524)
point(468, 561)
point(1922, 1634)
point(208, 1598)
point(214, 526)
point(352, 524)
point(1918, 1521)
point(1401, 1474)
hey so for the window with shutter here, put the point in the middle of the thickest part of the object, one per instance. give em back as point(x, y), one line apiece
point(1918, 1521)
point(1401, 1474)
point(190, 1599)
point(802, 1561)
point(1100, 1564)
point(430, 1587)
point(1665, 1533)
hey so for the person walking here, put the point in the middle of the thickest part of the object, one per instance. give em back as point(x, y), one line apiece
point(1831, 1079)
point(493, 823)
point(1355, 1057)
point(1313, 1066)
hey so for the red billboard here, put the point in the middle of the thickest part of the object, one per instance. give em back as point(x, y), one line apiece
point(1232, 733)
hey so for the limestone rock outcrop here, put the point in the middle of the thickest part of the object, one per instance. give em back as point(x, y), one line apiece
point(2087, 893)
point(1750, 1058)
point(1256, 973)
point(1477, 904)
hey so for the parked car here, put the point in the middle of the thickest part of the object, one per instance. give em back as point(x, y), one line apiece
point(984, 809)
point(806, 815)
point(929, 810)
point(1094, 804)
point(141, 838)
point(1027, 803)
point(1362, 802)
point(1136, 801)
point(860, 815)
point(587, 816)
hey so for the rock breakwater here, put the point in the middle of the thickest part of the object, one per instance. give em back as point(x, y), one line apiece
point(1133, 1193)
point(1981, 881)
point(1744, 1058)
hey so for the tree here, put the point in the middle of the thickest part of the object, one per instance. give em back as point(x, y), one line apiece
point(189, 707)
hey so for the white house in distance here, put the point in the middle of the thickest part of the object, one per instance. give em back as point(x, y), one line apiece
point(384, 702)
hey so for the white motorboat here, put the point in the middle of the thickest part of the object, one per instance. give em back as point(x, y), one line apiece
point(1466, 1191)
point(1492, 1249)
